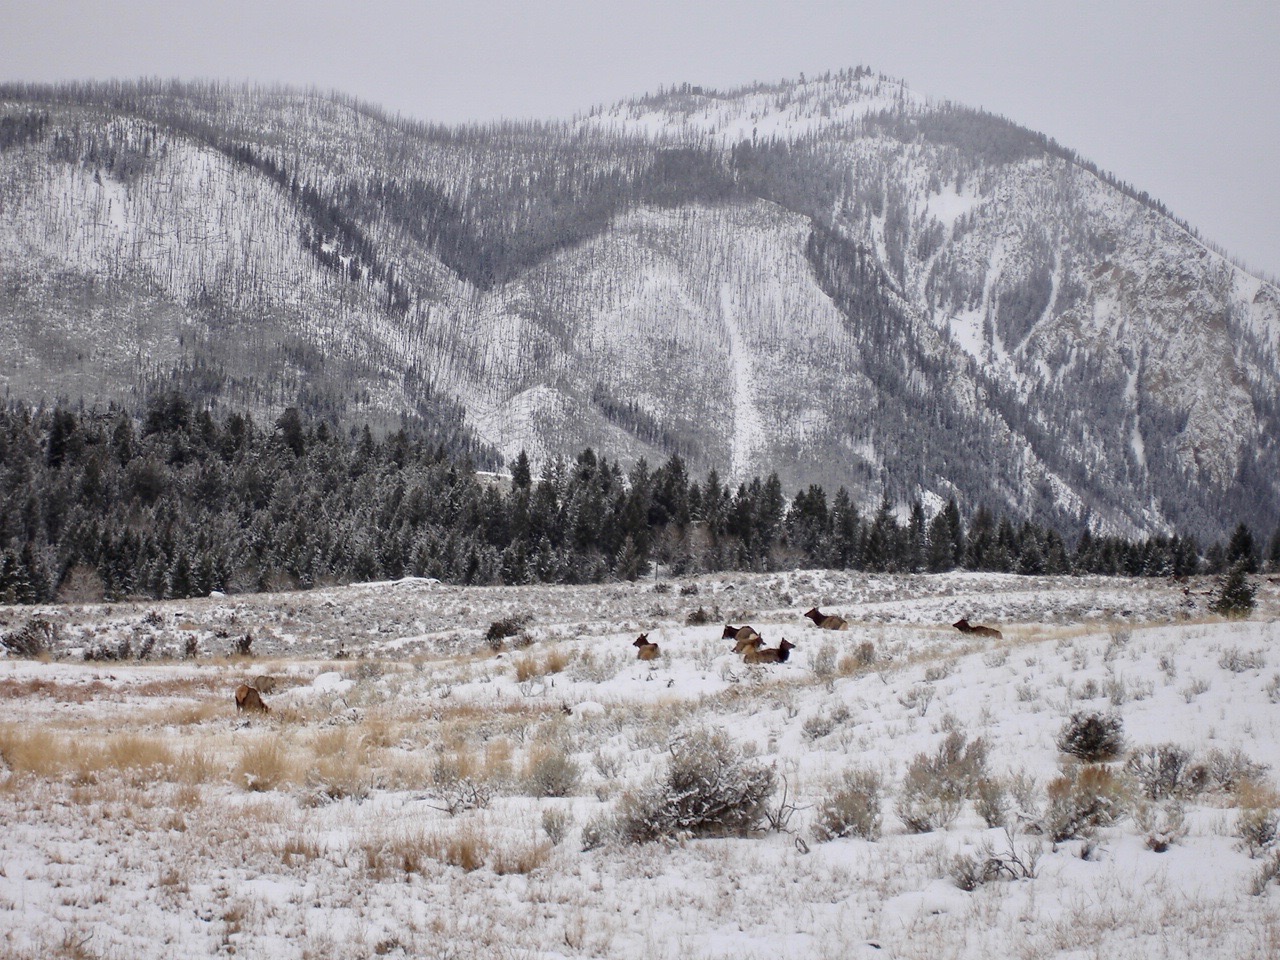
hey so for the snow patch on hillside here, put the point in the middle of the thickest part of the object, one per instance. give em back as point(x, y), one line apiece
point(748, 423)
point(951, 204)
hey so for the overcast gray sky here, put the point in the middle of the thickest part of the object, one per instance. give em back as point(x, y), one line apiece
point(1179, 97)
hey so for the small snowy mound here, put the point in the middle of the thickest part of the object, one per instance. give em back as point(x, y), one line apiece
point(587, 710)
point(332, 682)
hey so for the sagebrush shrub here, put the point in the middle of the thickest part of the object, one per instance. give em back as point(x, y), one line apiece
point(936, 786)
point(1166, 771)
point(1258, 829)
point(853, 810)
point(1092, 737)
point(1268, 873)
point(701, 617)
point(551, 772)
point(823, 724)
point(708, 789)
point(1229, 771)
point(1083, 799)
point(991, 800)
point(1163, 823)
point(1240, 661)
point(556, 824)
point(32, 639)
point(500, 629)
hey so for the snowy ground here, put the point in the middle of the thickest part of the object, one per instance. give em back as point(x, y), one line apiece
point(141, 817)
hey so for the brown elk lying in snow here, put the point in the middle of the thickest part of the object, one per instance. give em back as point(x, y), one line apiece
point(776, 654)
point(644, 649)
point(744, 637)
point(248, 698)
point(827, 621)
point(964, 626)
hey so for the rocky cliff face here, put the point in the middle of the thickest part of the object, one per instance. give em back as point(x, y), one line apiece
point(833, 279)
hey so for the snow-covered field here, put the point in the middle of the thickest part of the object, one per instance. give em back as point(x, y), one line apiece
point(416, 791)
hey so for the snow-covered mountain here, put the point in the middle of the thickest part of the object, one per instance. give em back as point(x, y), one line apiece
point(833, 279)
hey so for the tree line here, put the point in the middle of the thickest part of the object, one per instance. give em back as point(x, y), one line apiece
point(99, 505)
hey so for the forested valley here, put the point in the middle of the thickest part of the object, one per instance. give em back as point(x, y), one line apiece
point(96, 505)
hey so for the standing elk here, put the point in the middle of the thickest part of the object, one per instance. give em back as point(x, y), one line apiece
point(827, 621)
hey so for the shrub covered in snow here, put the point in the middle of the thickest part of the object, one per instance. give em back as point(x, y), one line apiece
point(1258, 829)
point(32, 639)
point(1082, 799)
point(1166, 771)
point(551, 772)
point(708, 789)
point(1092, 737)
point(853, 810)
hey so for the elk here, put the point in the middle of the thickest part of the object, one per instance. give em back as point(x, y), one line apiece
point(964, 626)
point(644, 649)
point(745, 637)
point(248, 698)
point(827, 621)
point(776, 654)
point(265, 683)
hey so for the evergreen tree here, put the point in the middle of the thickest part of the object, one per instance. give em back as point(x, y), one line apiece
point(846, 531)
point(521, 475)
point(1235, 593)
point(1241, 549)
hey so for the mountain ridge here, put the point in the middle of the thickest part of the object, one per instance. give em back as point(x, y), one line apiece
point(864, 289)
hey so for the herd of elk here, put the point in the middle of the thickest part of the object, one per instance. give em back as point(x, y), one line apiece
point(964, 626)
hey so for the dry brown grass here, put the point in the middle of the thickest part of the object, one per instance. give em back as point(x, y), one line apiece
point(298, 847)
point(57, 691)
point(266, 764)
point(194, 766)
point(1252, 795)
point(467, 848)
point(531, 667)
point(523, 858)
point(30, 752)
point(340, 764)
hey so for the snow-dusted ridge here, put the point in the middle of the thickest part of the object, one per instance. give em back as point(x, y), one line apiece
point(927, 302)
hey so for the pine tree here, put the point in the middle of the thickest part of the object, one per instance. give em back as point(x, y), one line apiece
point(1241, 549)
point(521, 475)
point(1235, 593)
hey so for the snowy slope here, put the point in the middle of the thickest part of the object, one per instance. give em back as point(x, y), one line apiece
point(830, 278)
point(144, 817)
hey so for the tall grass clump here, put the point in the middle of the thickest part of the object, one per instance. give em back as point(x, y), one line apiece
point(264, 765)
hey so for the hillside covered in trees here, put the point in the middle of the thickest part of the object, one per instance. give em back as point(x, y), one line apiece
point(95, 505)
point(832, 279)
